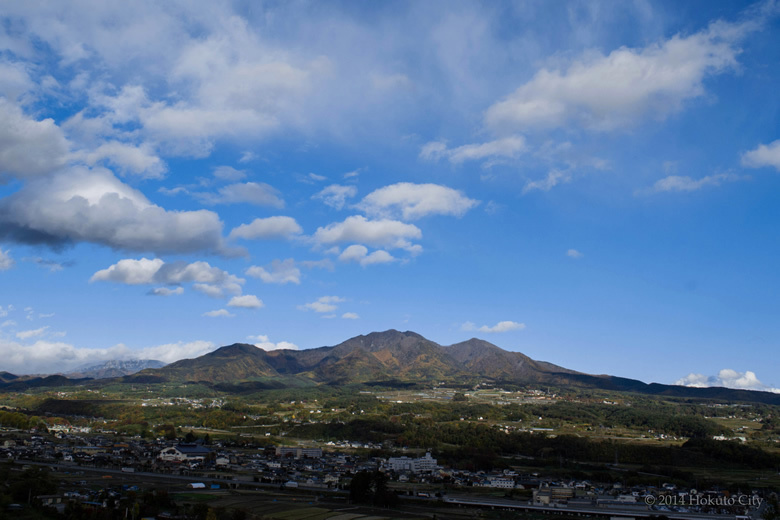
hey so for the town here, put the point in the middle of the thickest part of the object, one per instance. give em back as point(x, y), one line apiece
point(104, 473)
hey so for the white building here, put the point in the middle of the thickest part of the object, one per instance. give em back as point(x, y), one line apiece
point(425, 464)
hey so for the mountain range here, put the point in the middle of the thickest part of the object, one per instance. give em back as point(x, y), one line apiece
point(389, 357)
point(114, 368)
point(392, 356)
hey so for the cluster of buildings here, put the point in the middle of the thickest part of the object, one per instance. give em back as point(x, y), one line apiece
point(311, 467)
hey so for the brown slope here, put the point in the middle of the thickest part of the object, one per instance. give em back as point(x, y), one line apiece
point(232, 363)
point(482, 358)
point(401, 355)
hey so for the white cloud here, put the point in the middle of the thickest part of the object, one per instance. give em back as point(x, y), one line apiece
point(504, 148)
point(554, 177)
point(129, 271)
point(607, 92)
point(573, 253)
point(247, 301)
point(358, 253)
point(350, 316)
point(501, 326)
point(27, 334)
point(46, 357)
point(280, 272)
point(228, 173)
point(265, 228)
point(15, 80)
point(247, 157)
point(262, 341)
point(379, 233)
point(28, 147)
point(764, 155)
point(336, 195)
point(171, 352)
point(165, 291)
point(91, 205)
point(6, 262)
point(219, 313)
point(727, 378)
point(322, 304)
point(129, 159)
point(413, 201)
point(257, 193)
point(685, 183)
point(207, 279)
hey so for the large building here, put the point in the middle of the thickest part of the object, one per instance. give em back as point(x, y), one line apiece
point(425, 464)
point(184, 452)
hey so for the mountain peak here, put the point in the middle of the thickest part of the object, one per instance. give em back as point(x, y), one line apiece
point(236, 349)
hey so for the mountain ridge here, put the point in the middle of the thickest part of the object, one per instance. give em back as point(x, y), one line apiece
point(390, 356)
point(114, 368)
point(394, 356)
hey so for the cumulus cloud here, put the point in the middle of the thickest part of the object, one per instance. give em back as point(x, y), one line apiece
point(170, 352)
point(219, 313)
point(392, 234)
point(504, 148)
point(607, 92)
point(413, 201)
point(129, 271)
point(262, 341)
point(28, 148)
point(573, 253)
point(501, 326)
point(336, 195)
point(48, 357)
point(80, 204)
point(685, 183)
point(764, 155)
point(350, 316)
point(141, 160)
point(247, 301)
point(265, 228)
point(359, 254)
point(323, 304)
point(727, 378)
point(6, 261)
point(279, 271)
point(207, 279)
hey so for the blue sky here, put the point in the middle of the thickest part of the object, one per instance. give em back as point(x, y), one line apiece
point(591, 183)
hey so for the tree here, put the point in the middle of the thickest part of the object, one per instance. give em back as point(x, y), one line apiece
point(371, 488)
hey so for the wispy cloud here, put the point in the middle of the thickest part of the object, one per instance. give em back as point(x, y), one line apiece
point(501, 326)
